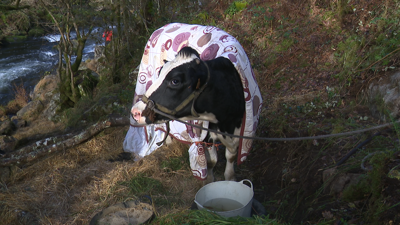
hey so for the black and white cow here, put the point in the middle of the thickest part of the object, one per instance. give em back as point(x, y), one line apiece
point(189, 88)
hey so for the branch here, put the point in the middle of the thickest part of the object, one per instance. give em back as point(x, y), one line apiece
point(45, 147)
point(55, 20)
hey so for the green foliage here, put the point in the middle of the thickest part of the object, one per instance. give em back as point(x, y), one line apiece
point(173, 164)
point(3, 18)
point(347, 51)
point(87, 82)
point(15, 38)
point(358, 191)
point(373, 52)
point(3, 111)
point(236, 7)
point(284, 45)
point(371, 186)
point(261, 17)
point(36, 32)
point(73, 116)
point(203, 217)
point(141, 184)
point(22, 21)
point(203, 18)
point(126, 95)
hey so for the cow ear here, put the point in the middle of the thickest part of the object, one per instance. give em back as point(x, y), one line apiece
point(197, 61)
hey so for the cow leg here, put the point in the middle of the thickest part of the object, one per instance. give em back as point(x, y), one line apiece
point(230, 159)
point(211, 156)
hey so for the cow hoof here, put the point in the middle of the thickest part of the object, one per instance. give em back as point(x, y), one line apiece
point(208, 180)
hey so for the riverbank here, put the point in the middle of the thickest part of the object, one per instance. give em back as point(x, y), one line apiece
point(26, 62)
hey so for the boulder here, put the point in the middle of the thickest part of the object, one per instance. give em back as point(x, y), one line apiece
point(3, 118)
point(336, 182)
point(31, 111)
point(98, 51)
point(7, 143)
point(86, 82)
point(45, 88)
point(50, 112)
point(44, 102)
point(36, 32)
point(19, 123)
point(384, 97)
point(6, 127)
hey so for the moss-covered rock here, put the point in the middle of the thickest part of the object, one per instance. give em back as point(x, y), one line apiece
point(87, 82)
point(36, 32)
point(15, 38)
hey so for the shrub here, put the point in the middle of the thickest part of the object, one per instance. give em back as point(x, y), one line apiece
point(21, 97)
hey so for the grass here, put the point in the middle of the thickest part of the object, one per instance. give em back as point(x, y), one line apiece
point(308, 60)
point(21, 96)
point(20, 100)
point(140, 185)
point(200, 217)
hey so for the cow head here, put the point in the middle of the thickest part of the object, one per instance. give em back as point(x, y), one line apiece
point(179, 83)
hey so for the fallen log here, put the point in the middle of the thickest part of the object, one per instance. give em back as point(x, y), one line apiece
point(47, 146)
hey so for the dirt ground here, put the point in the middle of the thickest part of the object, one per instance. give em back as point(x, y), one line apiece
point(298, 182)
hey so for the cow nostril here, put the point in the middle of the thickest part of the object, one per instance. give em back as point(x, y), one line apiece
point(136, 114)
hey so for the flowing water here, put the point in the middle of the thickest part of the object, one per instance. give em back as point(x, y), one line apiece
point(26, 62)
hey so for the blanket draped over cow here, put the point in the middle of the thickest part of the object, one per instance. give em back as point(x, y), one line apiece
point(210, 42)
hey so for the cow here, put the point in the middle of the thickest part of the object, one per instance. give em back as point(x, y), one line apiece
point(193, 86)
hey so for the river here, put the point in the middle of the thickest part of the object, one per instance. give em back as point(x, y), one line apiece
point(26, 62)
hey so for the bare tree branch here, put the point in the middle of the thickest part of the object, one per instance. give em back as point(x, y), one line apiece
point(31, 153)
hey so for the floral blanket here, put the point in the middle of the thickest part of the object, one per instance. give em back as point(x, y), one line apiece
point(210, 42)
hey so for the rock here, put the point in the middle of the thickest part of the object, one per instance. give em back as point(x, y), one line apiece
point(44, 89)
point(98, 51)
point(6, 127)
point(336, 183)
point(91, 65)
point(19, 122)
point(3, 118)
point(50, 113)
point(15, 38)
point(384, 97)
point(31, 111)
point(4, 173)
point(87, 82)
point(36, 32)
point(44, 100)
point(7, 143)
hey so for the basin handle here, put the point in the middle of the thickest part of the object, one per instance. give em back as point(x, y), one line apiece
point(251, 184)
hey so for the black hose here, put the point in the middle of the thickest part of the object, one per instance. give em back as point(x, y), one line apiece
point(354, 150)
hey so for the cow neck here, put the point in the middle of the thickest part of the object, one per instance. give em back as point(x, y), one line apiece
point(150, 104)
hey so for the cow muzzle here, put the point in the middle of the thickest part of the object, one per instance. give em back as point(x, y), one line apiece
point(137, 113)
point(149, 111)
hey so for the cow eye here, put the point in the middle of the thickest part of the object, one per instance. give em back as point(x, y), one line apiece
point(175, 82)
